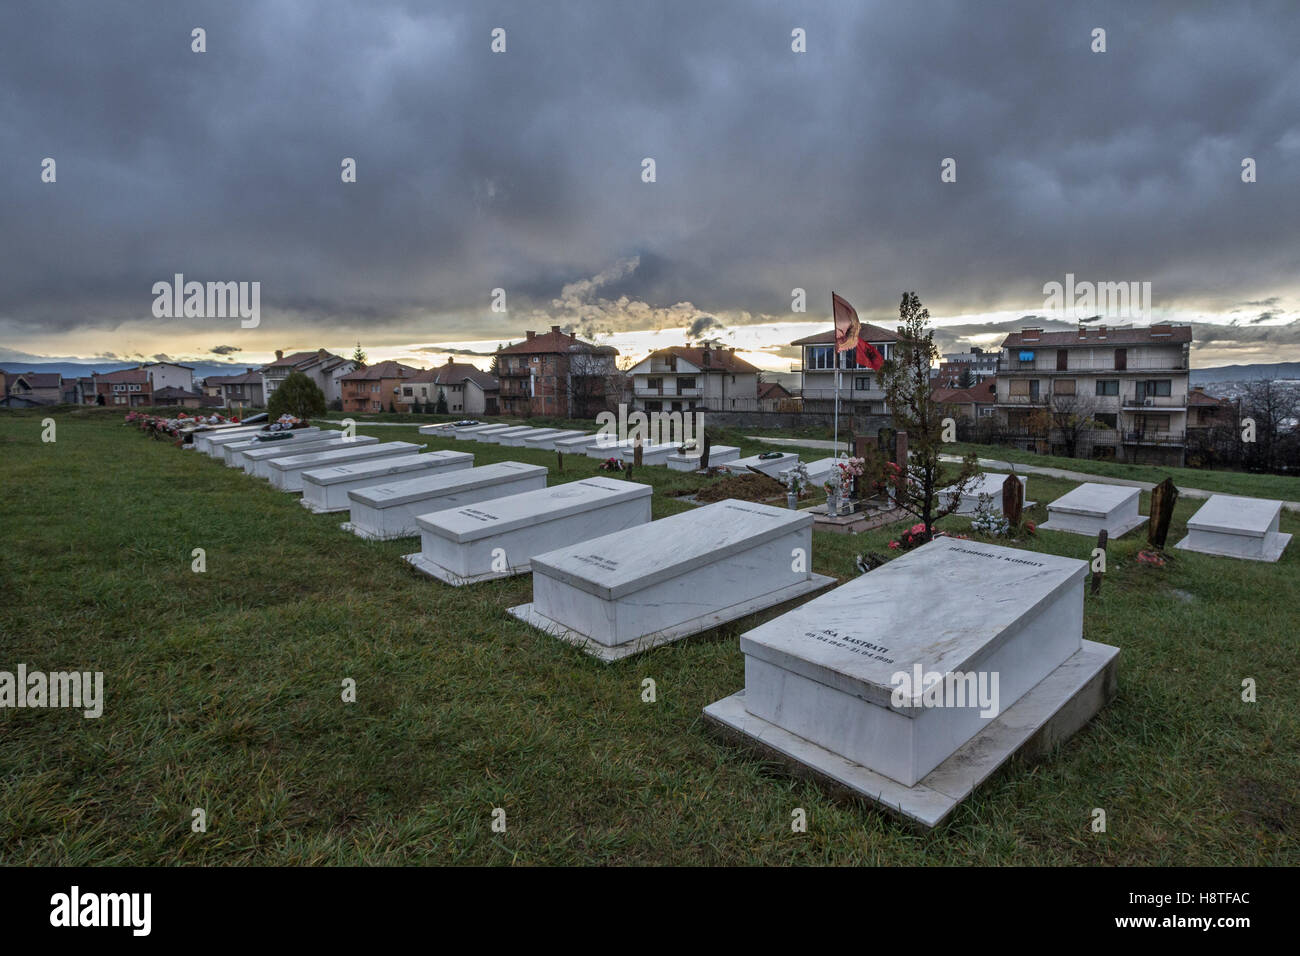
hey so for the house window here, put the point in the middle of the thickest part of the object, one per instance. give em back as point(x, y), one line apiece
point(1033, 388)
point(1108, 386)
point(1062, 359)
point(684, 382)
point(1121, 359)
point(1063, 386)
point(1020, 386)
point(655, 383)
point(374, 388)
point(862, 383)
point(821, 356)
point(407, 391)
point(1108, 419)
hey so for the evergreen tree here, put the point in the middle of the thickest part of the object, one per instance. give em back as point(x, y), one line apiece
point(298, 395)
point(359, 356)
point(907, 392)
point(495, 367)
point(441, 407)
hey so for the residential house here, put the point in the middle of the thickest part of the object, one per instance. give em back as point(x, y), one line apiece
point(1130, 383)
point(978, 401)
point(130, 387)
point(324, 368)
point(860, 389)
point(685, 379)
point(170, 395)
point(1206, 411)
point(237, 391)
point(169, 375)
point(775, 397)
point(34, 388)
point(977, 364)
point(555, 374)
point(375, 388)
point(467, 389)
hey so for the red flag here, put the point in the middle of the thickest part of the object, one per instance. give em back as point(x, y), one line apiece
point(869, 356)
point(846, 324)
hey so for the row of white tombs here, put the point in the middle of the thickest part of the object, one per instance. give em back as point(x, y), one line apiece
point(908, 685)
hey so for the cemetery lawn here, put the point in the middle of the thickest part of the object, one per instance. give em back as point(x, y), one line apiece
point(223, 692)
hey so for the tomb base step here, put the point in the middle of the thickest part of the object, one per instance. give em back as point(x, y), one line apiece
point(1117, 530)
point(1274, 544)
point(318, 509)
point(705, 622)
point(368, 535)
point(1052, 711)
point(447, 576)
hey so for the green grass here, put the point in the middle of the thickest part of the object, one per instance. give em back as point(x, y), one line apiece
point(223, 692)
point(1284, 487)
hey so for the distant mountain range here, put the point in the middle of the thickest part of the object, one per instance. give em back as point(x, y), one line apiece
point(1245, 373)
point(83, 370)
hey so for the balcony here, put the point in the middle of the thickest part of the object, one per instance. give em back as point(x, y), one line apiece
point(1138, 400)
point(1022, 401)
point(645, 391)
point(846, 394)
point(1155, 437)
point(1047, 366)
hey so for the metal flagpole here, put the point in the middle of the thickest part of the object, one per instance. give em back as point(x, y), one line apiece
point(836, 352)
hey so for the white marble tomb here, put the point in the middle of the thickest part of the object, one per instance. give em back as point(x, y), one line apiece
point(1094, 506)
point(231, 453)
point(1231, 526)
point(819, 471)
point(608, 448)
point(500, 438)
point(387, 511)
point(467, 432)
point(984, 484)
point(622, 593)
point(651, 454)
point(498, 538)
point(768, 466)
point(718, 455)
point(999, 629)
point(226, 449)
point(485, 435)
point(286, 473)
point(203, 441)
point(257, 461)
point(326, 489)
point(547, 442)
point(521, 439)
point(576, 445)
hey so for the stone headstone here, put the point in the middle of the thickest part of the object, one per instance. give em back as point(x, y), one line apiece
point(900, 449)
point(1013, 500)
point(498, 538)
point(622, 593)
point(706, 452)
point(1163, 498)
point(1235, 527)
point(387, 511)
point(638, 453)
point(1094, 506)
point(988, 485)
point(913, 683)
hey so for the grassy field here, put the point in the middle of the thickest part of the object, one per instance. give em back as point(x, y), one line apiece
point(223, 692)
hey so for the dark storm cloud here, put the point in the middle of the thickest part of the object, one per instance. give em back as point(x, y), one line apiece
point(522, 170)
point(224, 349)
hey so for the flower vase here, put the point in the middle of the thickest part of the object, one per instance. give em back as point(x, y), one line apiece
point(832, 503)
point(791, 500)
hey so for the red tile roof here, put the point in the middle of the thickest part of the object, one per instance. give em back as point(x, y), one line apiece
point(723, 359)
point(773, 390)
point(380, 370)
point(555, 342)
point(132, 375)
point(41, 379)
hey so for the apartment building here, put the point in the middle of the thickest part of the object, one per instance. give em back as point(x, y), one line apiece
point(1100, 392)
point(860, 388)
point(556, 374)
point(685, 379)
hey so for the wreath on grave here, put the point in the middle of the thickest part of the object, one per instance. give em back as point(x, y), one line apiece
point(611, 464)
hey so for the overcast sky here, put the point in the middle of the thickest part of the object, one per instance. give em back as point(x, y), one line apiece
point(522, 170)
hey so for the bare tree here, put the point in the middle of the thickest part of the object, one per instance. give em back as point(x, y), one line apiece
point(1273, 408)
point(592, 382)
point(1072, 416)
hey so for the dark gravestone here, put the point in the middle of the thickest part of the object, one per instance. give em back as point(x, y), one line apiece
point(900, 450)
point(1013, 500)
point(885, 442)
point(636, 453)
point(1097, 575)
point(704, 455)
point(559, 461)
point(1163, 498)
